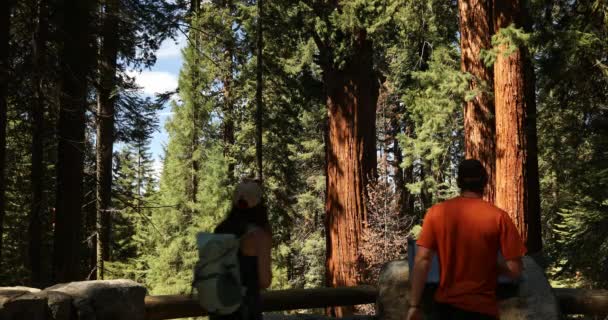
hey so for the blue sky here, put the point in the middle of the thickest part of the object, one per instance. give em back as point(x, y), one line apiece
point(160, 78)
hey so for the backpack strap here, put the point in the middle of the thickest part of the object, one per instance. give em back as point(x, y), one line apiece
point(249, 229)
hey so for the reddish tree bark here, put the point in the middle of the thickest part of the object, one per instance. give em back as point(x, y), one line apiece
point(517, 189)
point(105, 131)
point(75, 55)
point(351, 95)
point(479, 127)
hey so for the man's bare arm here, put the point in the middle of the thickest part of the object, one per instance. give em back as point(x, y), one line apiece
point(422, 266)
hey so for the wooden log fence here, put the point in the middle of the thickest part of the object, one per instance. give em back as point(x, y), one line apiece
point(571, 301)
point(582, 301)
point(182, 306)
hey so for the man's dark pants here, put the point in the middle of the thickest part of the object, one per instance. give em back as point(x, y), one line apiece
point(449, 312)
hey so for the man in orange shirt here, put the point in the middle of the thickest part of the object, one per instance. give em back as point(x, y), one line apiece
point(467, 233)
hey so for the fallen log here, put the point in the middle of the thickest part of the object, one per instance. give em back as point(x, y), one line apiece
point(582, 301)
point(182, 306)
point(571, 301)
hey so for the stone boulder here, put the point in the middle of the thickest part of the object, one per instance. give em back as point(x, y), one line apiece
point(104, 300)
point(534, 298)
point(311, 316)
point(59, 306)
point(21, 303)
point(393, 290)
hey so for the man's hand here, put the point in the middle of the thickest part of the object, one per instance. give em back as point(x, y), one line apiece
point(414, 314)
point(419, 274)
point(511, 268)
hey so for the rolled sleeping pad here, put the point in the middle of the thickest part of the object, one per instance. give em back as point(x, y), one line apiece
point(434, 273)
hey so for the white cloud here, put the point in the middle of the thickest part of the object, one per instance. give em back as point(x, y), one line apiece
point(165, 114)
point(157, 166)
point(154, 82)
point(172, 48)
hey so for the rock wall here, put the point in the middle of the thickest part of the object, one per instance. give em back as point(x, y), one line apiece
point(85, 300)
point(534, 299)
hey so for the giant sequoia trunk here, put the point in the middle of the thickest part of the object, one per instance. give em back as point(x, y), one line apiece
point(4, 38)
point(75, 58)
point(517, 189)
point(351, 92)
point(105, 131)
point(479, 127)
point(37, 176)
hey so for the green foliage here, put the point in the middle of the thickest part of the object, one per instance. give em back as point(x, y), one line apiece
point(415, 231)
point(339, 28)
point(572, 103)
point(505, 42)
point(418, 58)
point(434, 105)
point(17, 191)
point(134, 192)
point(142, 25)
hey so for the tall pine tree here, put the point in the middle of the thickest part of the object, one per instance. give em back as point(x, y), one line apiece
point(105, 129)
point(76, 59)
point(5, 17)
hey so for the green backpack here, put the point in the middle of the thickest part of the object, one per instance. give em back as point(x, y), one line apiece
point(217, 277)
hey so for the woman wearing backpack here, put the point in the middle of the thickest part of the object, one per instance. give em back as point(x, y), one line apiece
point(248, 220)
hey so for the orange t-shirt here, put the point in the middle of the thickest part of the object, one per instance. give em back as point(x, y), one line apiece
point(467, 234)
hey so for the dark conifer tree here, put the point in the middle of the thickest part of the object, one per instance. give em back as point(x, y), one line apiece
point(105, 128)
point(5, 18)
point(39, 106)
point(76, 59)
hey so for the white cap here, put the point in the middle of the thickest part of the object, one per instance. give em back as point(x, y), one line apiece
point(247, 194)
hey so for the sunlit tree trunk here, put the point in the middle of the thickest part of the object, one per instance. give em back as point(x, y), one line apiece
point(105, 131)
point(351, 92)
point(479, 127)
point(75, 59)
point(517, 189)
